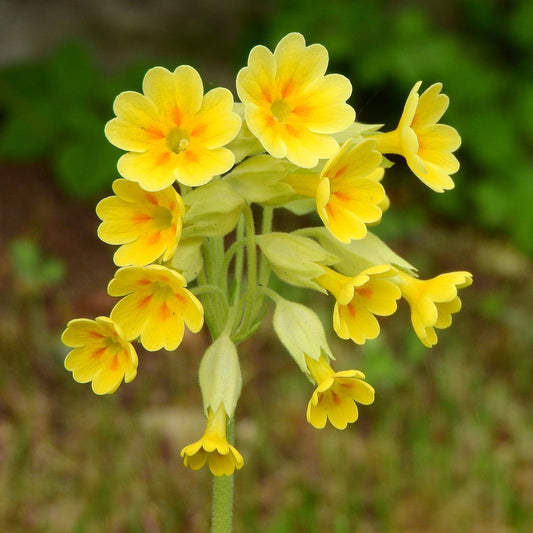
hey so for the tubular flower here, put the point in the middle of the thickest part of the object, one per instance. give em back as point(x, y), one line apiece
point(213, 447)
point(173, 131)
point(335, 395)
point(101, 354)
point(433, 301)
point(359, 298)
point(156, 306)
point(291, 106)
point(146, 224)
point(347, 197)
point(426, 145)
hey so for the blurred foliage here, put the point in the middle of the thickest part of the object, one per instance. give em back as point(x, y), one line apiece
point(483, 53)
point(481, 50)
point(31, 269)
point(56, 109)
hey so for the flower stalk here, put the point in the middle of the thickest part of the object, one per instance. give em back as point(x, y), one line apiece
point(197, 171)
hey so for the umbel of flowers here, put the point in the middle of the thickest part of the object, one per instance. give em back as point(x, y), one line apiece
point(191, 250)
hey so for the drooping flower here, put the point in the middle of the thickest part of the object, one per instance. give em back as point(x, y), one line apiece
point(336, 394)
point(101, 354)
point(147, 225)
point(433, 301)
point(213, 448)
point(173, 131)
point(347, 197)
point(156, 306)
point(347, 190)
point(359, 298)
point(426, 145)
point(291, 106)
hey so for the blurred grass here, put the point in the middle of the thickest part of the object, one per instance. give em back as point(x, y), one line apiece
point(446, 446)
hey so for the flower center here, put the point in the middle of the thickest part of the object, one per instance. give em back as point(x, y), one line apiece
point(177, 140)
point(162, 218)
point(281, 110)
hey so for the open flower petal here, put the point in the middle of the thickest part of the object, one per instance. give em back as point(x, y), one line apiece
point(372, 292)
point(432, 302)
point(290, 105)
point(336, 394)
point(426, 145)
point(147, 224)
point(348, 196)
point(213, 448)
point(156, 305)
point(172, 131)
point(101, 355)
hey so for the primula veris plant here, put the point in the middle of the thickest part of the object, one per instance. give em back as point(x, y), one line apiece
point(191, 249)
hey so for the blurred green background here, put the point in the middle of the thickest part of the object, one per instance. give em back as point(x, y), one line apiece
point(448, 444)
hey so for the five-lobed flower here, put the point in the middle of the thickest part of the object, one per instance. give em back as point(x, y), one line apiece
point(432, 301)
point(426, 145)
point(359, 298)
point(213, 448)
point(336, 394)
point(291, 105)
point(101, 354)
point(173, 131)
point(147, 225)
point(156, 306)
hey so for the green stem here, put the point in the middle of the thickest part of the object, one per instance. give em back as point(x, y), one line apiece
point(216, 307)
point(222, 508)
point(239, 259)
point(231, 251)
point(251, 252)
point(266, 227)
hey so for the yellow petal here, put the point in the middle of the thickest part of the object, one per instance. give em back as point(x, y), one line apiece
point(197, 166)
point(255, 83)
point(362, 392)
point(130, 314)
point(298, 64)
point(162, 329)
point(305, 148)
point(431, 106)
point(216, 124)
point(438, 137)
point(153, 170)
point(109, 378)
point(323, 106)
point(80, 331)
point(267, 130)
point(343, 413)
point(138, 124)
point(410, 107)
point(177, 94)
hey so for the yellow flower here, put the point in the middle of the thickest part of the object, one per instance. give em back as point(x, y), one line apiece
point(173, 131)
point(146, 224)
point(347, 196)
point(359, 298)
point(213, 447)
point(101, 354)
point(335, 395)
point(433, 301)
point(291, 106)
point(156, 306)
point(426, 145)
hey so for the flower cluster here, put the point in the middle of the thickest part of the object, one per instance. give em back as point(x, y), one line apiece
point(188, 247)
